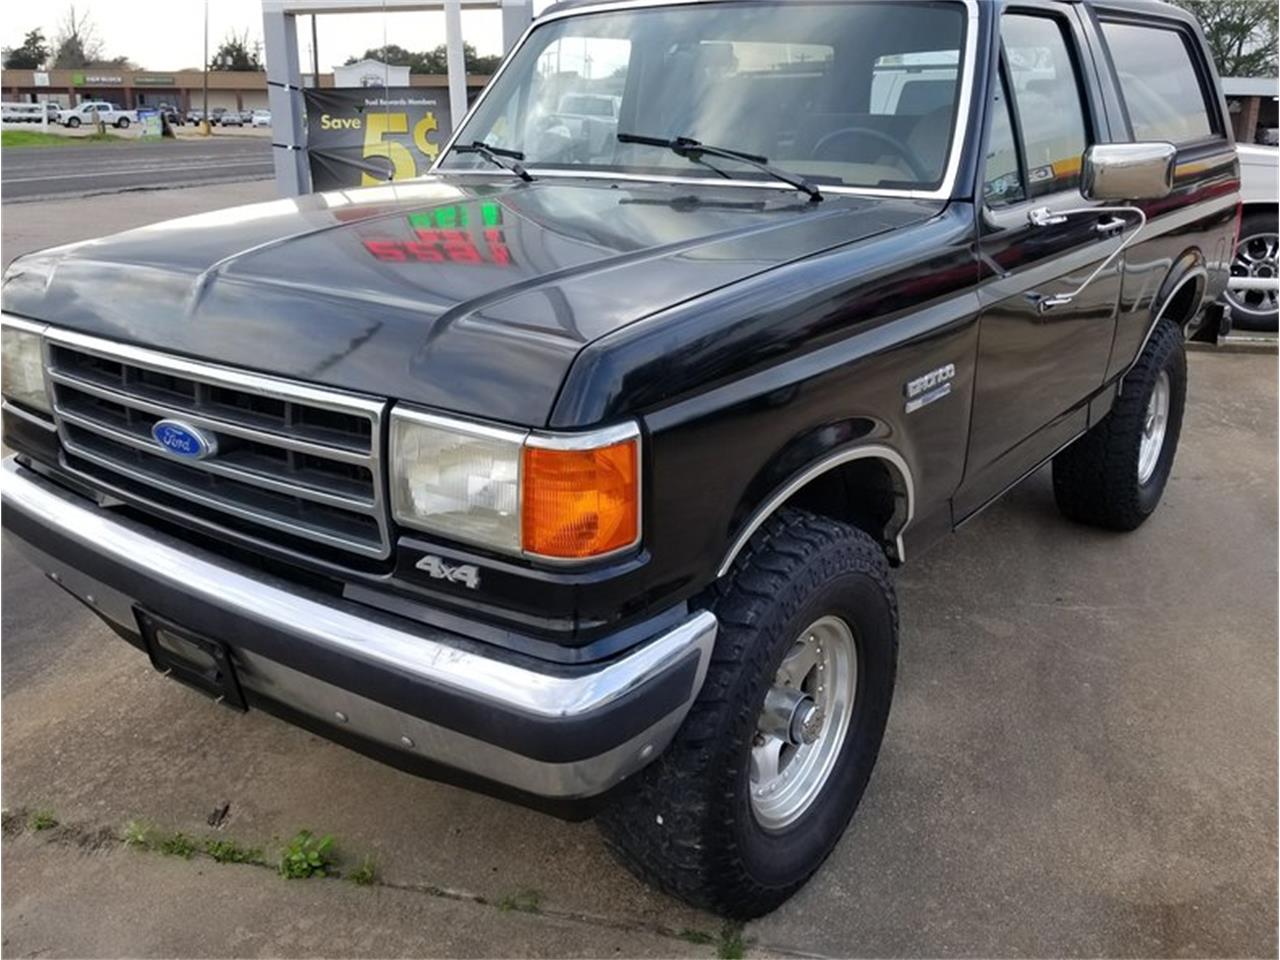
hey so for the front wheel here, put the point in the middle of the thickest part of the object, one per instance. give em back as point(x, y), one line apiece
point(1115, 475)
point(764, 775)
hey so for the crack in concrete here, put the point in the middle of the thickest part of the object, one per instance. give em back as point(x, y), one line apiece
point(94, 838)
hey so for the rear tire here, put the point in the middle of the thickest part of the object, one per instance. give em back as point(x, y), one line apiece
point(736, 819)
point(1114, 476)
point(122, 123)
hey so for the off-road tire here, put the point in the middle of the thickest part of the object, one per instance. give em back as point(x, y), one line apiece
point(1095, 480)
point(686, 824)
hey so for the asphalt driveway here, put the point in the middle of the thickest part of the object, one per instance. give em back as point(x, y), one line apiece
point(1081, 760)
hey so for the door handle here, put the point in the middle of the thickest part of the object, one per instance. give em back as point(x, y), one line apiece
point(1044, 217)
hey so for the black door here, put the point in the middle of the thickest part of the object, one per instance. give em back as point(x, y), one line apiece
point(1037, 366)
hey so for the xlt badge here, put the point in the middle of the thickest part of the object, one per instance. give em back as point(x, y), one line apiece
point(467, 574)
point(934, 385)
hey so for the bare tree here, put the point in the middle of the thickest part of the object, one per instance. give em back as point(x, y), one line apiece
point(76, 44)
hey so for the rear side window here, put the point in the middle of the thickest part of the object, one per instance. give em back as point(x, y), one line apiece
point(1159, 82)
point(1046, 91)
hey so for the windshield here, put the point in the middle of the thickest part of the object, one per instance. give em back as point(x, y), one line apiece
point(859, 94)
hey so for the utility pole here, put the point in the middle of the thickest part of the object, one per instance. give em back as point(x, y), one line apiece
point(204, 119)
point(315, 54)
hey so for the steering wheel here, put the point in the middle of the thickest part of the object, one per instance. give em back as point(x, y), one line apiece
point(898, 147)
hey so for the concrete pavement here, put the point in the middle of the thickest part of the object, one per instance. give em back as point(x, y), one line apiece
point(1081, 761)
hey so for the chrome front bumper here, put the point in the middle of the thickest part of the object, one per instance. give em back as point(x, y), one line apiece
point(368, 678)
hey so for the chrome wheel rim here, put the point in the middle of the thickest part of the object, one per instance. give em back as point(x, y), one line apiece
point(1257, 257)
point(1154, 425)
point(802, 727)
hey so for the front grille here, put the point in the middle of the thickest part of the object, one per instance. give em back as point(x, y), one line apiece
point(293, 460)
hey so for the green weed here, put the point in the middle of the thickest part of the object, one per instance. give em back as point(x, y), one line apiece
point(306, 855)
point(176, 845)
point(732, 946)
point(525, 901)
point(228, 851)
point(365, 874)
point(42, 820)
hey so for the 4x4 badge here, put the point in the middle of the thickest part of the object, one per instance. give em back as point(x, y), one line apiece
point(467, 574)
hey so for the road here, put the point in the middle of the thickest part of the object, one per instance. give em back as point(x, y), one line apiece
point(78, 169)
point(1080, 761)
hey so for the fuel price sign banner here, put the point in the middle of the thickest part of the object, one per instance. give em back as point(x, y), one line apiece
point(363, 136)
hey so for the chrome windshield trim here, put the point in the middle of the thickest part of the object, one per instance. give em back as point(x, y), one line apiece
point(569, 174)
point(943, 192)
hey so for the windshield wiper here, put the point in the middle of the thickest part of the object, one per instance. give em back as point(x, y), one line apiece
point(693, 150)
point(499, 156)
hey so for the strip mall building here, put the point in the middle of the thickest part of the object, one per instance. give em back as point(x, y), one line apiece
point(131, 89)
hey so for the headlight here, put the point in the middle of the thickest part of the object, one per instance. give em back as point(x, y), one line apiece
point(22, 366)
point(561, 497)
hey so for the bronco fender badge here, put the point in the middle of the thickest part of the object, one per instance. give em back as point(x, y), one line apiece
point(467, 574)
point(934, 385)
point(183, 440)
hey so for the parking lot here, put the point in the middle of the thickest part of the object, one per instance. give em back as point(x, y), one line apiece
point(1081, 758)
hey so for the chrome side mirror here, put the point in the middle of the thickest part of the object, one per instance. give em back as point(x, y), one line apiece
point(1128, 171)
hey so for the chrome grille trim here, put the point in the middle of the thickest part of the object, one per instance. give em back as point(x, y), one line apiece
point(293, 456)
point(212, 423)
point(267, 482)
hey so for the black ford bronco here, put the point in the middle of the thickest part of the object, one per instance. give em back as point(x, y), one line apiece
point(576, 470)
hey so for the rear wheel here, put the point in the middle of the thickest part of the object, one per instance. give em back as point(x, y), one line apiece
point(764, 775)
point(1257, 257)
point(1114, 476)
point(122, 123)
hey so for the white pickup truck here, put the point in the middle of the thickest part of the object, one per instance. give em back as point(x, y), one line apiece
point(108, 113)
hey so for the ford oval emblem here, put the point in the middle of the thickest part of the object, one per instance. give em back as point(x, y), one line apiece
point(183, 440)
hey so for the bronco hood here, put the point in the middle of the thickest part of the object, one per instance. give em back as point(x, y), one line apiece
point(466, 295)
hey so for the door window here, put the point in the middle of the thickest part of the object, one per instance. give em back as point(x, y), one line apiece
point(1003, 180)
point(1158, 80)
point(1046, 90)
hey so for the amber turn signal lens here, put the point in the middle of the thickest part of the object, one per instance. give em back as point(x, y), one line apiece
point(580, 503)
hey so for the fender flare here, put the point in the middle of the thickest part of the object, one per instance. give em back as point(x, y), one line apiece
point(869, 451)
point(1190, 267)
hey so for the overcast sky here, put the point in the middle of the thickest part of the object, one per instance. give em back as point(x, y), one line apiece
point(168, 34)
